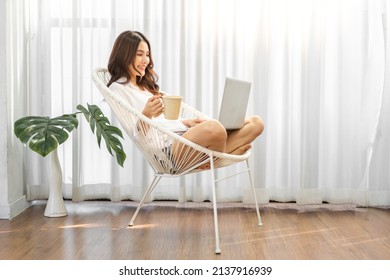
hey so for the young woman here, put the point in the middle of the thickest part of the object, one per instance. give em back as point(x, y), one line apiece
point(132, 76)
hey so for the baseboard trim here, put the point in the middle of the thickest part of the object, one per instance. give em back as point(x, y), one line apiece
point(10, 211)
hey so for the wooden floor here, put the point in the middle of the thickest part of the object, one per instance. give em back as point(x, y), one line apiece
point(98, 230)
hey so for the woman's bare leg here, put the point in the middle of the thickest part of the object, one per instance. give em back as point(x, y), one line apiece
point(209, 134)
point(212, 135)
point(239, 140)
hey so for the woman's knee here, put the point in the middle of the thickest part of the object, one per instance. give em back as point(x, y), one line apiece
point(216, 131)
point(257, 125)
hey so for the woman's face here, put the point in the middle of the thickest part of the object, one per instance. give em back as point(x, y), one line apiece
point(141, 61)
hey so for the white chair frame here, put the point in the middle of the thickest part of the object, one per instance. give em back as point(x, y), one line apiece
point(152, 138)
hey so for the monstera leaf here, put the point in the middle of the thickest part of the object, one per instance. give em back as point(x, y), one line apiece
point(44, 134)
point(101, 126)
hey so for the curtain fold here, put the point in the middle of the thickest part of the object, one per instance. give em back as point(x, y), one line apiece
point(320, 80)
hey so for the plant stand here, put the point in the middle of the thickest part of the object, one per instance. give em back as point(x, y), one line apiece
point(55, 205)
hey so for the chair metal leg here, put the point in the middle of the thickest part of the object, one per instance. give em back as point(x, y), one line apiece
point(254, 195)
point(217, 248)
point(146, 195)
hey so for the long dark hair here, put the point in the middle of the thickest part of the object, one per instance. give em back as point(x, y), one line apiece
point(123, 54)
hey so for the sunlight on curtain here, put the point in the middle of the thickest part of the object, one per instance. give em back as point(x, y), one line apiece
point(320, 79)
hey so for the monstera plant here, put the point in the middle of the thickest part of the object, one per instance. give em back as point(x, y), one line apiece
point(43, 135)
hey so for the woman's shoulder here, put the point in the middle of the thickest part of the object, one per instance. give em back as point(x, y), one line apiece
point(119, 84)
point(124, 87)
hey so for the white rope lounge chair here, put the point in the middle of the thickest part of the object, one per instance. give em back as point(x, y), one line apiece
point(155, 142)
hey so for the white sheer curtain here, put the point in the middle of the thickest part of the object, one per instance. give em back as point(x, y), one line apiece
point(320, 75)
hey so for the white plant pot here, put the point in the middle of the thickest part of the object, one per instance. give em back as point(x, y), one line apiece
point(55, 205)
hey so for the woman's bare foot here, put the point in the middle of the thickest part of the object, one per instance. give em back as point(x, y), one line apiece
point(241, 150)
point(204, 166)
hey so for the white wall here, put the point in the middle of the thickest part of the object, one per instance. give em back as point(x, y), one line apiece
point(13, 94)
point(3, 116)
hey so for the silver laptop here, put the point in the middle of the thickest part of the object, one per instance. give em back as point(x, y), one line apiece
point(234, 103)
